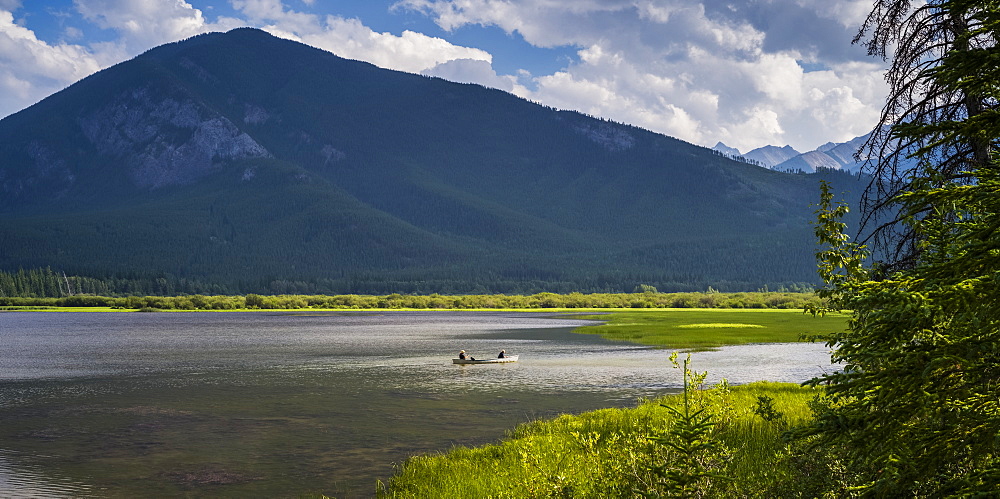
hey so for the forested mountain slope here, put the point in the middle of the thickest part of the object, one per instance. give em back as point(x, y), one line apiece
point(258, 163)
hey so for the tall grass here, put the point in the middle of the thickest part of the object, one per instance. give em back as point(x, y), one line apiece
point(538, 301)
point(699, 329)
point(615, 452)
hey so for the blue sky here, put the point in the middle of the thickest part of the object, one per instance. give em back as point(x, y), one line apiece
point(745, 72)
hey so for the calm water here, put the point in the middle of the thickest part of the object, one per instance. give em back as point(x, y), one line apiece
point(283, 405)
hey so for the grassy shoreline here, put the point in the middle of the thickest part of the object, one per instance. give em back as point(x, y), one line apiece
point(679, 328)
point(701, 329)
point(539, 301)
point(630, 452)
point(615, 452)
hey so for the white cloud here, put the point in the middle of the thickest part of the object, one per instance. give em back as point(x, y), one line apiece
point(72, 33)
point(288, 22)
point(777, 76)
point(700, 70)
point(411, 51)
point(758, 125)
point(146, 23)
point(846, 12)
point(703, 70)
point(31, 69)
point(475, 71)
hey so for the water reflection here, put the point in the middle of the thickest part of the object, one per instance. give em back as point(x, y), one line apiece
point(236, 404)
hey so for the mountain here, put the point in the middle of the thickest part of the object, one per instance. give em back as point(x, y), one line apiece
point(771, 156)
point(724, 149)
point(840, 156)
point(809, 162)
point(837, 156)
point(242, 162)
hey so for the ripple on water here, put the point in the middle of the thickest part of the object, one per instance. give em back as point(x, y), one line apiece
point(257, 404)
point(21, 480)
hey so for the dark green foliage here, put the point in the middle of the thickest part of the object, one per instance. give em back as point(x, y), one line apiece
point(380, 182)
point(29, 289)
point(697, 452)
point(765, 409)
point(914, 412)
point(254, 301)
point(608, 453)
point(46, 283)
point(915, 406)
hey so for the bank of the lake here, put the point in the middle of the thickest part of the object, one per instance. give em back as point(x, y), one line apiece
point(538, 301)
point(629, 453)
point(122, 397)
point(700, 329)
point(288, 403)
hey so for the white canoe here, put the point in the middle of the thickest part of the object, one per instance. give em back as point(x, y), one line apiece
point(509, 358)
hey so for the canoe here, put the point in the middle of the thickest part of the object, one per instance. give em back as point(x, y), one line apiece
point(509, 358)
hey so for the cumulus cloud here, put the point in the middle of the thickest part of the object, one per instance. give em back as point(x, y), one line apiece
point(31, 69)
point(143, 24)
point(147, 23)
point(475, 71)
point(411, 51)
point(747, 73)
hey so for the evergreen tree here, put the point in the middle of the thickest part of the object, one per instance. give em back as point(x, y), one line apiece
point(941, 109)
point(915, 408)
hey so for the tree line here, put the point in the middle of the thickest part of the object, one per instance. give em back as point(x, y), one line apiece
point(538, 301)
point(48, 283)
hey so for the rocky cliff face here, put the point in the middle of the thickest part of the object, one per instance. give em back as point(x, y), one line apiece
point(163, 141)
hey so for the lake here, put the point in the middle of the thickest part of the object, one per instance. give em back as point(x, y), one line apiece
point(289, 404)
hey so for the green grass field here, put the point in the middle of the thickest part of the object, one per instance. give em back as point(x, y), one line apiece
point(700, 329)
point(608, 452)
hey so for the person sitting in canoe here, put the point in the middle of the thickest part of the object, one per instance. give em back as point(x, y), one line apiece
point(502, 354)
point(461, 355)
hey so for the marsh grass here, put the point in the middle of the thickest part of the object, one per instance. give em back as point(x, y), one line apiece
point(614, 452)
point(703, 329)
point(43, 308)
point(549, 302)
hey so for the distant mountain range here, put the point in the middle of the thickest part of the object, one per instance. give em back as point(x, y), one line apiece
point(836, 156)
point(241, 162)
